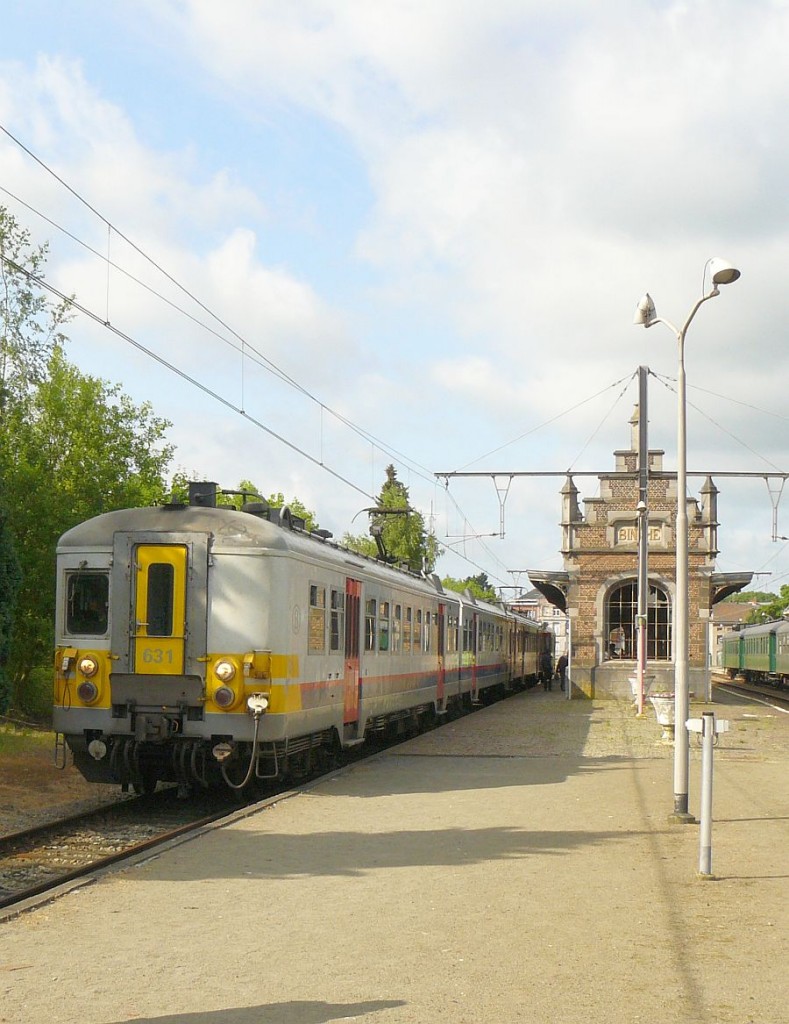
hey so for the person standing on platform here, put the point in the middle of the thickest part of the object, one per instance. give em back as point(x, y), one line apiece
point(546, 669)
point(561, 670)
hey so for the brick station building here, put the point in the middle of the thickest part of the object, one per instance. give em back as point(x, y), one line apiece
point(597, 588)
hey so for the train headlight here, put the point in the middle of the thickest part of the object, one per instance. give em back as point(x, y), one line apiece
point(87, 691)
point(224, 697)
point(88, 666)
point(224, 670)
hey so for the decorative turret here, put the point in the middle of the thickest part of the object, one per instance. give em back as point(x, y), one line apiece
point(571, 513)
point(709, 516)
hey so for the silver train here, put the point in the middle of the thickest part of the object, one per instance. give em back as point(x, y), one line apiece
point(205, 645)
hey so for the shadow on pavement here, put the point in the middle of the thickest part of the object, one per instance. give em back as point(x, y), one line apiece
point(265, 855)
point(297, 1012)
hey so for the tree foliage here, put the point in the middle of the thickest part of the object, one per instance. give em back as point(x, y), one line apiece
point(71, 446)
point(403, 534)
point(748, 596)
point(10, 579)
point(30, 325)
point(772, 609)
point(246, 491)
point(478, 586)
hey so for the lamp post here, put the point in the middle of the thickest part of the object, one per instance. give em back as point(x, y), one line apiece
point(720, 273)
point(643, 538)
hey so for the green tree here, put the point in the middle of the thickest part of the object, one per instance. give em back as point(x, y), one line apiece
point(246, 491)
point(30, 325)
point(478, 586)
point(402, 529)
point(75, 447)
point(297, 507)
point(10, 579)
point(746, 596)
point(774, 609)
point(71, 446)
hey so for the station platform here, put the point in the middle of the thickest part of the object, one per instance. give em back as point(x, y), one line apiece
point(516, 865)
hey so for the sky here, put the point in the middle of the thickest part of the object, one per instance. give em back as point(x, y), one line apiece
point(331, 235)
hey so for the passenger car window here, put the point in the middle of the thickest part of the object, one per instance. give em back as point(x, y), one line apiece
point(317, 626)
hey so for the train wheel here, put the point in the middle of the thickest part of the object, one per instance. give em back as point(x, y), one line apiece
point(146, 784)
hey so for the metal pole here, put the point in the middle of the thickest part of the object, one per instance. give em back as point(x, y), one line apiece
point(681, 702)
point(705, 829)
point(721, 272)
point(567, 674)
point(643, 535)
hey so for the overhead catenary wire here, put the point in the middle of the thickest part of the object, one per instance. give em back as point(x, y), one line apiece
point(737, 401)
point(124, 336)
point(243, 347)
point(669, 382)
point(628, 381)
point(278, 371)
point(72, 303)
point(546, 423)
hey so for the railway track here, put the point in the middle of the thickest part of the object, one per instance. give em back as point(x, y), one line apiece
point(39, 860)
point(762, 691)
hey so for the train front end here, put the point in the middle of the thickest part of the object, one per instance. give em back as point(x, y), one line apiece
point(139, 696)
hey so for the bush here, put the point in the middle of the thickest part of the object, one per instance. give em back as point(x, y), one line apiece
point(34, 695)
point(5, 692)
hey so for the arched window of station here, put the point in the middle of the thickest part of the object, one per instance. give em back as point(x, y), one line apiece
point(621, 623)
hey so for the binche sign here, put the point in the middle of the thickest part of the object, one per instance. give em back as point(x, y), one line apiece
point(629, 534)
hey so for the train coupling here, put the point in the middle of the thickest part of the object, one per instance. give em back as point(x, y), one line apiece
point(97, 749)
point(222, 751)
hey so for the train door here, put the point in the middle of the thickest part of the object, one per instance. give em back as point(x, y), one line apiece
point(159, 609)
point(353, 600)
point(473, 645)
point(442, 672)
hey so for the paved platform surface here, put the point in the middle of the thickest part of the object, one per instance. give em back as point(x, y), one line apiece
point(516, 865)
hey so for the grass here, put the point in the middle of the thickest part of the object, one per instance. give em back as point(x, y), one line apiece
point(21, 741)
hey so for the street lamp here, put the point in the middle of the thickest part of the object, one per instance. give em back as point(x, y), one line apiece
point(720, 272)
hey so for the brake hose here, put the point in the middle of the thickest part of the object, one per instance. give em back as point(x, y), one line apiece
point(257, 713)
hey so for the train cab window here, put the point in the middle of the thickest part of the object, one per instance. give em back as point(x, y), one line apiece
point(316, 643)
point(161, 576)
point(337, 620)
point(87, 600)
point(426, 634)
point(369, 624)
point(397, 629)
point(383, 626)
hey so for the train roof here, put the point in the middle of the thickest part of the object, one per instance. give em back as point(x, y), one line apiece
point(240, 528)
point(232, 529)
point(759, 628)
point(229, 529)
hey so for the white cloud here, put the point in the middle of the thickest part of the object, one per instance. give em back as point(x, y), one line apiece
point(530, 170)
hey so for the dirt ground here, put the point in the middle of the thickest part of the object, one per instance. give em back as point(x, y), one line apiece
point(514, 866)
point(33, 791)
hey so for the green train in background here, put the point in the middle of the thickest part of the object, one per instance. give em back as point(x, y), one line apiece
point(759, 653)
